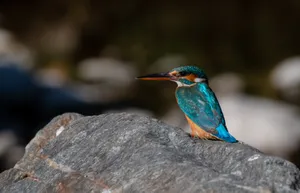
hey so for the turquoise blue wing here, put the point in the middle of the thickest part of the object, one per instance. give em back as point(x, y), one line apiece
point(202, 107)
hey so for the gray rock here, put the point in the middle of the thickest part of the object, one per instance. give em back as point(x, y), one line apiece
point(129, 153)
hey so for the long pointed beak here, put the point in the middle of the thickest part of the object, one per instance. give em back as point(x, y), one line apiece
point(158, 76)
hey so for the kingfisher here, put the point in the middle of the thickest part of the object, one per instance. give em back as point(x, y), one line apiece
point(198, 102)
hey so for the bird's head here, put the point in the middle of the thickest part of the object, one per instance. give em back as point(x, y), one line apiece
point(183, 76)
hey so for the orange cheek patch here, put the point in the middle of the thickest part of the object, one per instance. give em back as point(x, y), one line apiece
point(191, 77)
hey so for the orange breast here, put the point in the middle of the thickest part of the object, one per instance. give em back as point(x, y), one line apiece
point(198, 131)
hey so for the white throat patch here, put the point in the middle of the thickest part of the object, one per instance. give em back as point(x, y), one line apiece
point(180, 84)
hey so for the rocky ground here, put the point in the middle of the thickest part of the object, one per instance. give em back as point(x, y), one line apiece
point(130, 153)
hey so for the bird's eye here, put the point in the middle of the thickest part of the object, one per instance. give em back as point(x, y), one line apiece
point(183, 73)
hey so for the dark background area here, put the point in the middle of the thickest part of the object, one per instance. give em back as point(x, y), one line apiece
point(83, 55)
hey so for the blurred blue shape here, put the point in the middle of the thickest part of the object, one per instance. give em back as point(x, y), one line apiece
point(16, 86)
point(27, 106)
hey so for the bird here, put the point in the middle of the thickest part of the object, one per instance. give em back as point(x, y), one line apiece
point(197, 101)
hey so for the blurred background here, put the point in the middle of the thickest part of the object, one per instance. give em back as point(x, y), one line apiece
point(83, 55)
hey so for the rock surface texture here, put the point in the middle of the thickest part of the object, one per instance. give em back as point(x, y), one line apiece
point(129, 153)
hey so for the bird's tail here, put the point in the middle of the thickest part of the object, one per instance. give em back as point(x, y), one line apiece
point(224, 134)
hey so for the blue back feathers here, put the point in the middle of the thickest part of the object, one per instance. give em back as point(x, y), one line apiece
point(200, 104)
